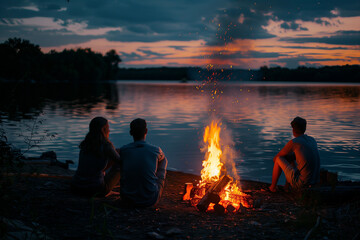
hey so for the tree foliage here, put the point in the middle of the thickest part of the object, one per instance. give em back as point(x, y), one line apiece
point(22, 60)
point(346, 73)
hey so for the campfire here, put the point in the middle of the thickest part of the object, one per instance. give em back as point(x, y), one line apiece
point(217, 190)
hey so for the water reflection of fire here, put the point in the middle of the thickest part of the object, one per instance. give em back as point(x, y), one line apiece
point(217, 190)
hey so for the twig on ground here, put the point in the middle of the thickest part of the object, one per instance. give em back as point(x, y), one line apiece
point(313, 229)
point(356, 236)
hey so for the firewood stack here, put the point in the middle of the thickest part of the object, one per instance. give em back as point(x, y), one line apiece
point(211, 194)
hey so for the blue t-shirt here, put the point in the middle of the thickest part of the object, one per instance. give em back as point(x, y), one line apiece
point(143, 168)
point(306, 156)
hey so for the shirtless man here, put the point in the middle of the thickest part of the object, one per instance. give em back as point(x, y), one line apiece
point(299, 159)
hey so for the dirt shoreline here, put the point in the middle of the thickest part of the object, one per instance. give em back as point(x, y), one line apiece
point(45, 208)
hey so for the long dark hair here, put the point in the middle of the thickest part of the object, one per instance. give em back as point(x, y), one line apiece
point(95, 139)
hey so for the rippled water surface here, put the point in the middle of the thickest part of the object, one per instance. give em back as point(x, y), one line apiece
point(257, 115)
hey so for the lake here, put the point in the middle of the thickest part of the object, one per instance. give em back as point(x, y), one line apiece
point(257, 117)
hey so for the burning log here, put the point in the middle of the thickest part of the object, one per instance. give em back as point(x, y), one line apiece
point(224, 195)
point(187, 191)
point(219, 209)
point(211, 195)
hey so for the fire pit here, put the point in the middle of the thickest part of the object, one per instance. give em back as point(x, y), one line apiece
point(217, 191)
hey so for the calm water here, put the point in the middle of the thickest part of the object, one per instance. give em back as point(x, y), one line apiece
point(257, 115)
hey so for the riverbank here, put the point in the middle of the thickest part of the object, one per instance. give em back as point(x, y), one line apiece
point(43, 206)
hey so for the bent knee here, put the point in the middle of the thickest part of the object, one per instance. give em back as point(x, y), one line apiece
point(277, 159)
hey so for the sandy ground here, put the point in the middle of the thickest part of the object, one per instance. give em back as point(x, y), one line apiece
point(44, 208)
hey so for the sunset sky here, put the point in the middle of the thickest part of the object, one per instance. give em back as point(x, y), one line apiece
point(226, 33)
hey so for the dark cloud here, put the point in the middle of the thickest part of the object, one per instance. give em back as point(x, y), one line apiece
point(306, 47)
point(147, 20)
point(316, 48)
point(243, 54)
point(308, 10)
point(146, 54)
point(54, 7)
point(294, 62)
point(257, 54)
point(149, 53)
point(183, 19)
point(246, 18)
point(340, 38)
point(293, 26)
point(130, 56)
point(213, 21)
point(181, 48)
point(127, 36)
point(240, 23)
point(139, 29)
point(322, 22)
point(50, 38)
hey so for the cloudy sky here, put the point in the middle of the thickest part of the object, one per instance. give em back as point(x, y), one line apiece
point(225, 33)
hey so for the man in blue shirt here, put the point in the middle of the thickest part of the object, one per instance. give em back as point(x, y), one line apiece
point(299, 159)
point(143, 168)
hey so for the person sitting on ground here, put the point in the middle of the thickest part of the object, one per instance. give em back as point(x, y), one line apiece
point(143, 169)
point(299, 159)
point(97, 154)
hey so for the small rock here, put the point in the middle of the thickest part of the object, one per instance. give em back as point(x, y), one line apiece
point(155, 235)
point(18, 235)
point(255, 223)
point(324, 221)
point(257, 203)
point(73, 211)
point(49, 184)
point(173, 231)
point(16, 225)
point(269, 224)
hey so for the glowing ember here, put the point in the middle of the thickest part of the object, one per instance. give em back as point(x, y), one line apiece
point(231, 197)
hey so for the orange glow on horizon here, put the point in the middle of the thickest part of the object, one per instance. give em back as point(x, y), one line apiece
point(240, 53)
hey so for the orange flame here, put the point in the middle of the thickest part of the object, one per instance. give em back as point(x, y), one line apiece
point(213, 169)
point(212, 165)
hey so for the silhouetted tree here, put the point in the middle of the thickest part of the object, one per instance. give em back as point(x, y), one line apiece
point(22, 60)
point(112, 61)
point(346, 73)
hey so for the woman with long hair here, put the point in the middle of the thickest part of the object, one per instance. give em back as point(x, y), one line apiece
point(97, 154)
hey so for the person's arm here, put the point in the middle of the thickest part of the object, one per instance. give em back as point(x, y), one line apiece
point(288, 148)
point(162, 164)
point(113, 153)
point(109, 165)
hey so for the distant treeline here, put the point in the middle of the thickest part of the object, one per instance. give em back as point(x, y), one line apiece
point(22, 60)
point(186, 73)
point(160, 73)
point(347, 73)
